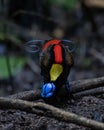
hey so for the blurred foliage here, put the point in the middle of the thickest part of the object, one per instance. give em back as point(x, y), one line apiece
point(68, 4)
point(86, 62)
point(2, 36)
point(15, 62)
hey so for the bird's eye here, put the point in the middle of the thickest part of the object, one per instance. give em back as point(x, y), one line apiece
point(33, 46)
point(69, 44)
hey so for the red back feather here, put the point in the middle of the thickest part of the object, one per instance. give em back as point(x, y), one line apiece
point(57, 50)
point(58, 54)
point(50, 42)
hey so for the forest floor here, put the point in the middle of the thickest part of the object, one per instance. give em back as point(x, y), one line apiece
point(89, 106)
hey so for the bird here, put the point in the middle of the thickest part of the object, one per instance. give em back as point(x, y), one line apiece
point(56, 61)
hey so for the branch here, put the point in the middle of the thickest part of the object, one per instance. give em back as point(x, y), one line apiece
point(95, 3)
point(27, 95)
point(49, 111)
point(76, 86)
point(96, 91)
point(82, 85)
point(97, 55)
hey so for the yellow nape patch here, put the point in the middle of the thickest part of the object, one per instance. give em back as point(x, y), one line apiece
point(55, 71)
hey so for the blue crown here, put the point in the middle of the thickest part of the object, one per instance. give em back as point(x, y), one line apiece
point(48, 90)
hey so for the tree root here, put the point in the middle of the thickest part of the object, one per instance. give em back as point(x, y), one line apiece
point(49, 111)
point(78, 88)
point(82, 85)
point(94, 92)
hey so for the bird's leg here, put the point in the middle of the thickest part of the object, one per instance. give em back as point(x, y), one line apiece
point(71, 97)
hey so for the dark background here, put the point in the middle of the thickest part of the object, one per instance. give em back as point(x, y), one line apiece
point(26, 20)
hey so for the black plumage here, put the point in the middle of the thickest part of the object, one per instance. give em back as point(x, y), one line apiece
point(47, 59)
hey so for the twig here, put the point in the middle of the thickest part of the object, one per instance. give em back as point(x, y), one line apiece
point(96, 91)
point(95, 3)
point(97, 55)
point(38, 15)
point(50, 111)
point(35, 68)
point(82, 85)
point(27, 95)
